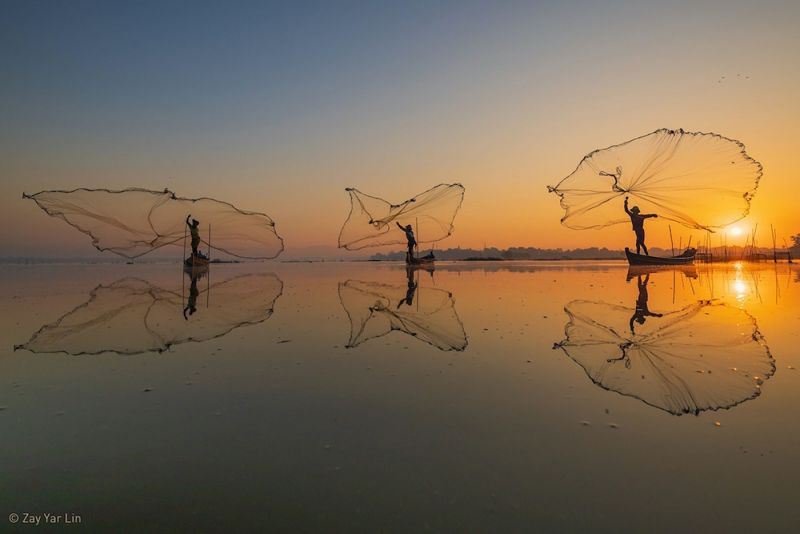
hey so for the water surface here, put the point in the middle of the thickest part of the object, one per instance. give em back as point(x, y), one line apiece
point(482, 396)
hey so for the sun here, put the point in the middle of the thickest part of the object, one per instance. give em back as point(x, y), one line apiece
point(735, 230)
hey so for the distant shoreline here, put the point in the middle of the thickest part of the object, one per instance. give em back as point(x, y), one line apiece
point(86, 261)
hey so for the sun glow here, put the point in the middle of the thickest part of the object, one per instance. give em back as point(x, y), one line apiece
point(735, 231)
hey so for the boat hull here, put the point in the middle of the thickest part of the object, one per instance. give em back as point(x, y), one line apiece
point(428, 260)
point(195, 262)
point(639, 259)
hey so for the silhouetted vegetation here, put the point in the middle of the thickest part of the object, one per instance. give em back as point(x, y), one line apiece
point(515, 253)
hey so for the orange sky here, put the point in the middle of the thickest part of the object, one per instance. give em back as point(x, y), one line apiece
point(505, 105)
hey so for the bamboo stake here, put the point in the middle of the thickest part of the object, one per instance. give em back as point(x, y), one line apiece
point(673, 286)
point(417, 291)
point(774, 245)
point(208, 269)
point(183, 260)
point(671, 242)
point(725, 245)
point(416, 223)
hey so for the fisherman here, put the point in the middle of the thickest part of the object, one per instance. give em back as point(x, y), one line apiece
point(194, 229)
point(642, 311)
point(412, 242)
point(637, 221)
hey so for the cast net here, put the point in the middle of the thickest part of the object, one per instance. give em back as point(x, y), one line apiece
point(705, 356)
point(700, 180)
point(373, 222)
point(134, 222)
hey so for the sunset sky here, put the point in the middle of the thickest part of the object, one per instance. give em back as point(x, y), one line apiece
point(278, 108)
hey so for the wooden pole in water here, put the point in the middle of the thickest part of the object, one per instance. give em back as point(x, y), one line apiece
point(774, 245)
point(673, 286)
point(725, 246)
point(417, 291)
point(671, 242)
point(708, 245)
point(183, 265)
point(208, 272)
point(416, 223)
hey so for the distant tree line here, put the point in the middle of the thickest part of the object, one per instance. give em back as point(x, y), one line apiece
point(513, 253)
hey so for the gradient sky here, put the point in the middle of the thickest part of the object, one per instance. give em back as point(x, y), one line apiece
point(278, 108)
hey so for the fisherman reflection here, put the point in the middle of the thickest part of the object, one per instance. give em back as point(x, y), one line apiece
point(191, 304)
point(412, 289)
point(642, 311)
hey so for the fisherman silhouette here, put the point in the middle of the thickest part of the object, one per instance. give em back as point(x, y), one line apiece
point(642, 312)
point(637, 221)
point(191, 304)
point(412, 242)
point(194, 229)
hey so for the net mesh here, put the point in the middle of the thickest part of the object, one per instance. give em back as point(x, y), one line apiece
point(700, 180)
point(705, 356)
point(134, 222)
point(373, 221)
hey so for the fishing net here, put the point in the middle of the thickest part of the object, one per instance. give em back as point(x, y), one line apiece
point(373, 222)
point(133, 222)
point(425, 313)
point(700, 180)
point(705, 356)
point(133, 316)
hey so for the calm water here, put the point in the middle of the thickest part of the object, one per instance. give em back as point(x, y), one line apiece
point(352, 396)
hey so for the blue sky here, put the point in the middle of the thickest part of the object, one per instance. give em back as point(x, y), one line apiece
point(278, 107)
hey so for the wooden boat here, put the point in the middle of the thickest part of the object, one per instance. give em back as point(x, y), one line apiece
point(685, 258)
point(423, 261)
point(195, 262)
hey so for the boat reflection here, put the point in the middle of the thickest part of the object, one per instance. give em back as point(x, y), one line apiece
point(689, 271)
point(134, 316)
point(426, 313)
point(703, 356)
